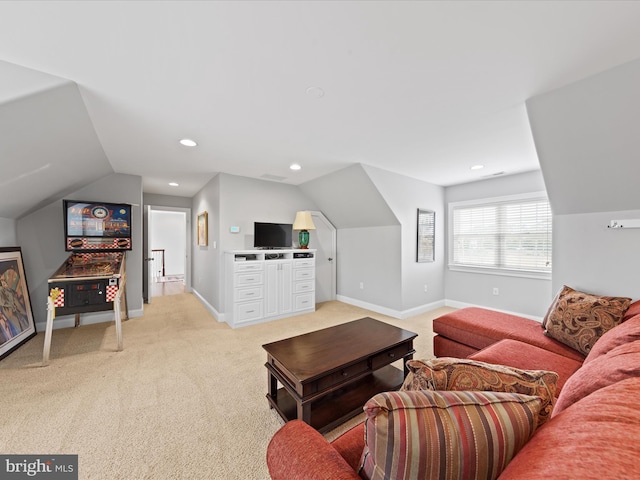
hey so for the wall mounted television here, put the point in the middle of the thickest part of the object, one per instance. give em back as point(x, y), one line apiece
point(272, 235)
point(96, 226)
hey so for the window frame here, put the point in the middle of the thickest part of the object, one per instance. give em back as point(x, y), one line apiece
point(496, 270)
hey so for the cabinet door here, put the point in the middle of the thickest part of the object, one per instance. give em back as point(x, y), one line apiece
point(278, 288)
point(271, 289)
point(286, 288)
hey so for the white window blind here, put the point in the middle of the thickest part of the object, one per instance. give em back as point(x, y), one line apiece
point(507, 235)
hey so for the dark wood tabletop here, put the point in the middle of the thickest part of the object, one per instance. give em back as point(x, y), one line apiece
point(310, 355)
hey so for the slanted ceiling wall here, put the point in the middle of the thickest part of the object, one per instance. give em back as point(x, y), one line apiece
point(586, 135)
point(48, 145)
point(587, 139)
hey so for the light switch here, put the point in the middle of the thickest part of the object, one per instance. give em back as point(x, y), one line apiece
point(234, 229)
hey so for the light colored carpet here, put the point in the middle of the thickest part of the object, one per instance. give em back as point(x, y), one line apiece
point(184, 400)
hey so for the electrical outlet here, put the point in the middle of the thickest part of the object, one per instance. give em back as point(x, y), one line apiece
point(361, 285)
point(496, 291)
point(426, 288)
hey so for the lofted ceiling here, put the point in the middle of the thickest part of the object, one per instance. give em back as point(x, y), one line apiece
point(425, 89)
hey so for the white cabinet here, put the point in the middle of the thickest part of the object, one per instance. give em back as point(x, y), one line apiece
point(263, 285)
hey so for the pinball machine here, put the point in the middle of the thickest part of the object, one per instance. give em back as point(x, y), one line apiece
point(93, 277)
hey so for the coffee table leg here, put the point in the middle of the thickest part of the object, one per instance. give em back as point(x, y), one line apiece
point(304, 412)
point(272, 386)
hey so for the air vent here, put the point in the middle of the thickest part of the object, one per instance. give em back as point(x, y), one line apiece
point(268, 176)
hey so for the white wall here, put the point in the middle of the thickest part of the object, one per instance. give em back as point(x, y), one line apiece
point(405, 195)
point(590, 257)
point(526, 296)
point(8, 232)
point(370, 256)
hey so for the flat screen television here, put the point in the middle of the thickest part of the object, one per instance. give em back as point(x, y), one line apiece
point(272, 235)
point(97, 226)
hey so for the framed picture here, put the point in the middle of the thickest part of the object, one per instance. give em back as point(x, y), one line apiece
point(203, 229)
point(16, 317)
point(426, 235)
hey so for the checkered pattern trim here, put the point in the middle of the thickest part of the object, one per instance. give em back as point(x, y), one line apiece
point(112, 291)
point(57, 295)
point(82, 243)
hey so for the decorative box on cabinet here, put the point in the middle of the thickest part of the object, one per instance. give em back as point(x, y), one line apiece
point(264, 285)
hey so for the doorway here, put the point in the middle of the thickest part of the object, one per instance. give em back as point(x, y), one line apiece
point(324, 240)
point(168, 266)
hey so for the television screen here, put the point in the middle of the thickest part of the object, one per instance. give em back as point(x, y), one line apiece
point(273, 235)
point(97, 225)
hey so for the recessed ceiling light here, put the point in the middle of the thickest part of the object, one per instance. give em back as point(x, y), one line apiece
point(295, 166)
point(187, 142)
point(477, 167)
point(173, 184)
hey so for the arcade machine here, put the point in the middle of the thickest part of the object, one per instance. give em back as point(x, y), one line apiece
point(93, 277)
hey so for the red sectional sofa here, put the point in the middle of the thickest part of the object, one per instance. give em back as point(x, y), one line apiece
point(594, 432)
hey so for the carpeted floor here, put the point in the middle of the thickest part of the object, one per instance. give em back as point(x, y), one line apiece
point(184, 400)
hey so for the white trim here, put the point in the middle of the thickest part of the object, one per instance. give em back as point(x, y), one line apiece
point(400, 314)
point(217, 315)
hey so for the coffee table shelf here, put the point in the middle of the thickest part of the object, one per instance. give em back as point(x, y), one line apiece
point(333, 409)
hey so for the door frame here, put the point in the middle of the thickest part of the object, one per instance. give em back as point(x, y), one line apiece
point(147, 246)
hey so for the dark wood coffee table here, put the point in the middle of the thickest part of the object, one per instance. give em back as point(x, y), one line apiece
point(328, 375)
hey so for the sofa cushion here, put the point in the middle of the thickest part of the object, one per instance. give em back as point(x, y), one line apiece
point(428, 434)
point(632, 311)
point(479, 328)
point(461, 374)
point(627, 332)
point(579, 319)
point(619, 364)
point(528, 357)
point(593, 439)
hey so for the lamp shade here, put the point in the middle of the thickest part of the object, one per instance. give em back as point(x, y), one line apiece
point(303, 221)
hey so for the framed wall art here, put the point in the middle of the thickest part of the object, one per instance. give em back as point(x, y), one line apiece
point(16, 316)
point(203, 229)
point(426, 235)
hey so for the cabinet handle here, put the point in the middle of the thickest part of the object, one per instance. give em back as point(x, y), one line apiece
point(250, 311)
point(392, 355)
point(345, 374)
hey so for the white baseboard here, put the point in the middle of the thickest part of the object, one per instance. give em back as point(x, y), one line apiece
point(400, 314)
point(217, 315)
point(89, 318)
point(455, 304)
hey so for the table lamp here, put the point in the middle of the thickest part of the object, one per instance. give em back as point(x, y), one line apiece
point(304, 223)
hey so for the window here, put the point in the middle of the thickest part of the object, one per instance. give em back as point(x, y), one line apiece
point(509, 235)
point(426, 235)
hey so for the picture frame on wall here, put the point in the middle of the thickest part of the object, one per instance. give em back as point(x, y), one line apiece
point(426, 236)
point(203, 229)
point(16, 316)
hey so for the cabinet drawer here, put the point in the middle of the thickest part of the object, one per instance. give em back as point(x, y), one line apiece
point(241, 294)
point(304, 301)
point(249, 278)
point(247, 266)
point(248, 311)
point(303, 274)
point(340, 376)
point(307, 262)
point(390, 356)
point(302, 287)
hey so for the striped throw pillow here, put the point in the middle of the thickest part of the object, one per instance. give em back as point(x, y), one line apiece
point(445, 435)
